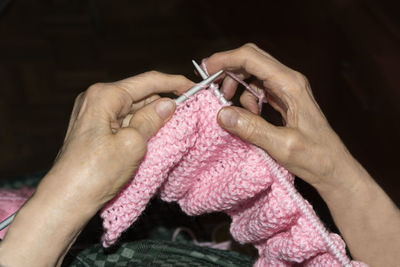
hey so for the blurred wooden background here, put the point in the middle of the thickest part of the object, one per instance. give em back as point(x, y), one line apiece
point(50, 50)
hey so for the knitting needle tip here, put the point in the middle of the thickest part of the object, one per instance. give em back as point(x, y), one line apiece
point(198, 87)
point(199, 70)
point(212, 78)
point(204, 76)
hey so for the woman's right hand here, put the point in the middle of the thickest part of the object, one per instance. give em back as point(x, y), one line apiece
point(306, 145)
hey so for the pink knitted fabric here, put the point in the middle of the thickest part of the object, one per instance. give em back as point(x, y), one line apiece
point(10, 201)
point(196, 163)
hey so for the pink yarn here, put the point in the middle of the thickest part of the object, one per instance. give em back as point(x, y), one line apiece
point(196, 163)
point(10, 201)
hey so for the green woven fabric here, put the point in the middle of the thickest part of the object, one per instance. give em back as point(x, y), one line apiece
point(147, 242)
point(157, 253)
point(29, 180)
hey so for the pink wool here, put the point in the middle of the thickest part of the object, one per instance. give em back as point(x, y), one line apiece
point(10, 201)
point(196, 163)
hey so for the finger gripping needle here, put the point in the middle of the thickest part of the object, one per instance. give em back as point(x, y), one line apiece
point(217, 92)
point(182, 98)
point(197, 87)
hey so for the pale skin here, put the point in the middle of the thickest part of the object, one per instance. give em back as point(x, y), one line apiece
point(107, 137)
point(308, 147)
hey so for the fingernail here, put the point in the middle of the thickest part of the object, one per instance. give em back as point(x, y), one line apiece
point(228, 117)
point(165, 108)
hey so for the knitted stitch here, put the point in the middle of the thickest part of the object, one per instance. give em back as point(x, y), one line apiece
point(193, 161)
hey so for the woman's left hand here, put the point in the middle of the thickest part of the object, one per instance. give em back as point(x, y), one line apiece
point(105, 142)
point(108, 133)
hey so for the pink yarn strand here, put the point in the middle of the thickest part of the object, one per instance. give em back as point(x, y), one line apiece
point(260, 96)
point(204, 66)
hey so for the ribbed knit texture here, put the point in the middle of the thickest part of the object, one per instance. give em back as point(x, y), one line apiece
point(193, 161)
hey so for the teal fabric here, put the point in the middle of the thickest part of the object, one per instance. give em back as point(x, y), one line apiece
point(158, 253)
point(147, 242)
point(29, 180)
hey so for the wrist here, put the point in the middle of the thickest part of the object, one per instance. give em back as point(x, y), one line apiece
point(66, 190)
point(45, 228)
point(346, 181)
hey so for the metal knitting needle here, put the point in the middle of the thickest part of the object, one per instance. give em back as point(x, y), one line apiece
point(197, 87)
point(203, 75)
point(182, 98)
point(200, 70)
point(7, 221)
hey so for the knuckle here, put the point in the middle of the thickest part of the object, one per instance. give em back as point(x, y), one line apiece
point(247, 99)
point(180, 81)
point(292, 145)
point(299, 83)
point(153, 73)
point(79, 97)
point(94, 90)
point(251, 45)
point(134, 141)
point(243, 97)
point(300, 79)
point(247, 49)
point(215, 55)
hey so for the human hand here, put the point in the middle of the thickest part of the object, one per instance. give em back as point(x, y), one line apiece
point(105, 142)
point(306, 145)
point(108, 132)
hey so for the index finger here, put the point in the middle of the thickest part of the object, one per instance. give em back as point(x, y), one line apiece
point(111, 102)
point(153, 82)
point(252, 61)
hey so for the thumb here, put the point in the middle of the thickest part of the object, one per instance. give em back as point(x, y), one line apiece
point(252, 128)
point(144, 123)
point(149, 119)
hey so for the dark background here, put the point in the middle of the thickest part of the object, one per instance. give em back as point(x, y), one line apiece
point(50, 50)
